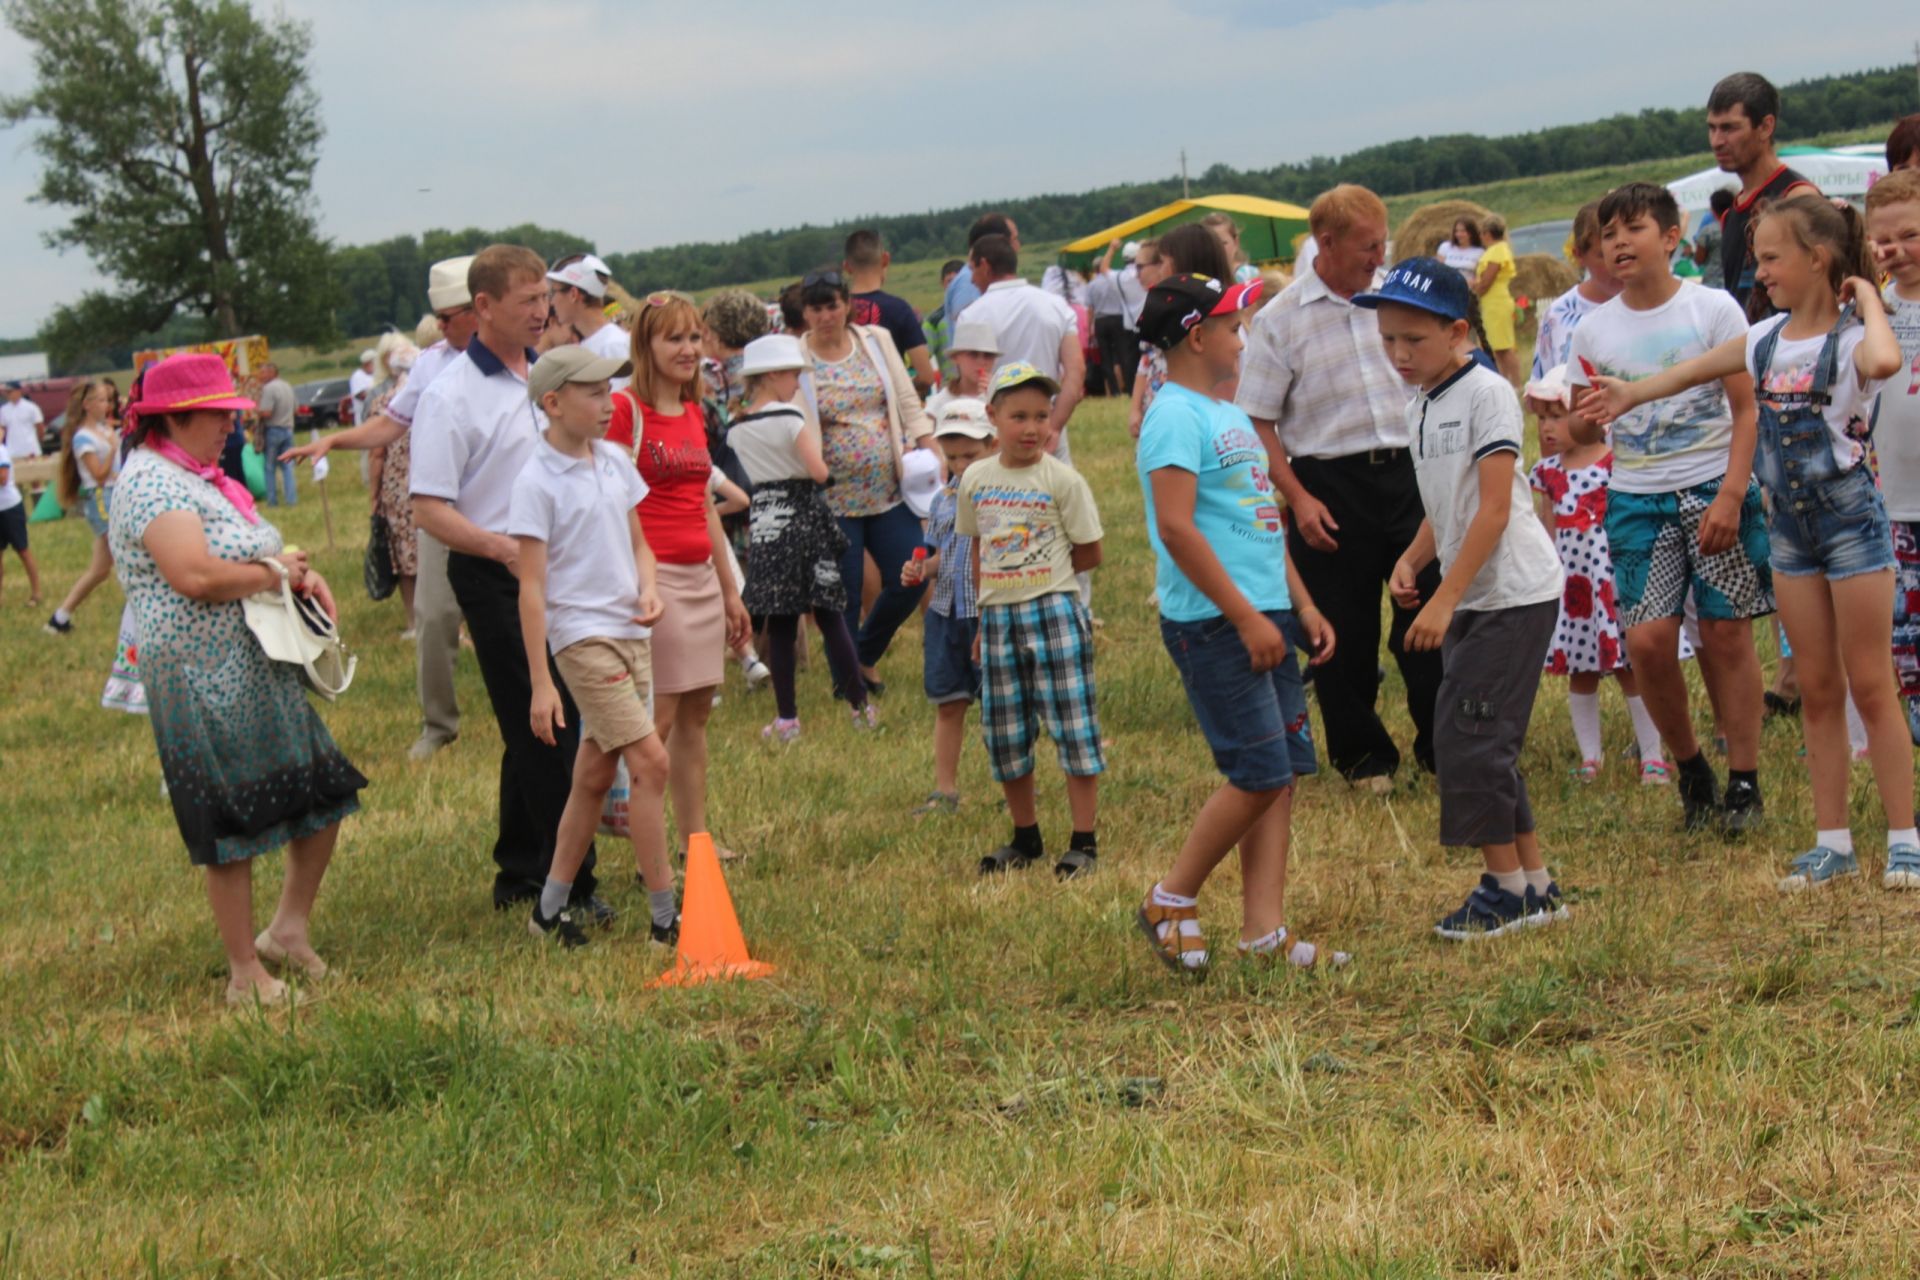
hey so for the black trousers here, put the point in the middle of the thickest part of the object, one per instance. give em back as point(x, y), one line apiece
point(1376, 503)
point(534, 777)
point(1119, 353)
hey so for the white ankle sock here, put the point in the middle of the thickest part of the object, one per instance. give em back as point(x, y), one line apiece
point(1840, 841)
point(1188, 928)
point(1537, 879)
point(62, 617)
point(1514, 882)
point(1643, 729)
point(1586, 723)
point(1161, 898)
point(1910, 835)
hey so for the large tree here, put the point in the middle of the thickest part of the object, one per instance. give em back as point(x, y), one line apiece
point(182, 136)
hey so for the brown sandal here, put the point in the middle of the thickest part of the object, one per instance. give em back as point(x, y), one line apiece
point(1173, 948)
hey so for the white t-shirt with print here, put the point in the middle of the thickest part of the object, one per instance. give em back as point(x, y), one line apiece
point(1849, 411)
point(1673, 444)
point(1896, 434)
point(1470, 416)
point(90, 441)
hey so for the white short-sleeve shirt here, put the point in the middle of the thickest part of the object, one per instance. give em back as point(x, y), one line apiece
point(1029, 323)
point(431, 364)
point(475, 432)
point(764, 443)
point(22, 420)
point(580, 507)
point(611, 342)
point(1790, 376)
point(1470, 416)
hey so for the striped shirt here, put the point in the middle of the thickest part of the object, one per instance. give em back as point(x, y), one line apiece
point(1314, 367)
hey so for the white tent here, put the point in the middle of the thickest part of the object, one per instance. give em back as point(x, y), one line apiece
point(1834, 172)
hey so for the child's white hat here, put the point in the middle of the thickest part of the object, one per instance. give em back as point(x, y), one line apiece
point(974, 335)
point(919, 480)
point(964, 416)
point(774, 353)
point(1551, 387)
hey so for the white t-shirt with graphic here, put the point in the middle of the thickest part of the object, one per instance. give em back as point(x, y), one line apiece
point(1666, 445)
point(94, 442)
point(1896, 435)
point(1849, 410)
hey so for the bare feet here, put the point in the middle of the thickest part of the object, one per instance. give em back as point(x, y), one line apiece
point(258, 989)
point(297, 954)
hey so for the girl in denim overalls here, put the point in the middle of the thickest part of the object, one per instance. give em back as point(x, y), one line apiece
point(1816, 372)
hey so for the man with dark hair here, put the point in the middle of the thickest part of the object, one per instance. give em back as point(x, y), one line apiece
point(1903, 144)
point(865, 264)
point(939, 332)
point(1707, 241)
point(962, 291)
point(1031, 325)
point(1742, 113)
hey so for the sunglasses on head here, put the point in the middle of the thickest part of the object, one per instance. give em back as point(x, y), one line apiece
point(813, 278)
point(661, 297)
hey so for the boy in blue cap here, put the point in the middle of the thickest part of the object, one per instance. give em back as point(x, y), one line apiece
point(1493, 616)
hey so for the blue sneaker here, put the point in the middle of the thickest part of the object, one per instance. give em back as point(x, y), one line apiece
point(1903, 867)
point(1544, 908)
point(1488, 912)
point(1816, 867)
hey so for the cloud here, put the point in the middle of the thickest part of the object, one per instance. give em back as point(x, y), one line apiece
point(644, 125)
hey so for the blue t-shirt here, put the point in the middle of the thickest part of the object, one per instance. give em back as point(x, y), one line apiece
point(960, 291)
point(1234, 507)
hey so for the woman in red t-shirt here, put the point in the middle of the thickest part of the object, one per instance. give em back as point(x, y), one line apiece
point(703, 611)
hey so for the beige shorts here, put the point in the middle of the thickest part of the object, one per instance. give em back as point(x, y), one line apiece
point(609, 680)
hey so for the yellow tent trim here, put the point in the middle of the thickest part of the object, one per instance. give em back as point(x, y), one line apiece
point(1254, 206)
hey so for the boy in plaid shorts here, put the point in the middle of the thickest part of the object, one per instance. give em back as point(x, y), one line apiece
point(1034, 526)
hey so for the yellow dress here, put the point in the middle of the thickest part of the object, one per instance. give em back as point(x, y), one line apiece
point(1496, 304)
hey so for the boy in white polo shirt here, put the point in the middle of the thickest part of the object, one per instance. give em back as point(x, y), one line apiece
point(587, 593)
point(1493, 615)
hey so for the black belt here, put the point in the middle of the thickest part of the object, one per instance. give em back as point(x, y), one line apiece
point(1370, 458)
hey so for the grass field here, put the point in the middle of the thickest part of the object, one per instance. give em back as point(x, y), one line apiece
point(947, 1077)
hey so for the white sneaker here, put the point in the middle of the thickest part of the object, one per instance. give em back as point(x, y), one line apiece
point(757, 675)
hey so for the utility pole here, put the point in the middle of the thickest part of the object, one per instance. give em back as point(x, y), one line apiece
point(1186, 192)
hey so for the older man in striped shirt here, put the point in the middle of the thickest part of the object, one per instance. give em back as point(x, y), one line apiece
point(1332, 411)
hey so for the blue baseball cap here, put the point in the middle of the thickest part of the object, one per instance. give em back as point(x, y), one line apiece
point(1425, 283)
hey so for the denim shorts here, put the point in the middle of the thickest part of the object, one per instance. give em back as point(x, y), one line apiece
point(93, 505)
point(1655, 542)
point(950, 674)
point(1255, 721)
point(1839, 532)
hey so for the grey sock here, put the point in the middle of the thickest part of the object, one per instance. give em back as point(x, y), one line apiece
point(553, 897)
point(661, 904)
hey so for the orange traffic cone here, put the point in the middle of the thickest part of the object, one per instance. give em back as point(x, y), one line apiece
point(711, 944)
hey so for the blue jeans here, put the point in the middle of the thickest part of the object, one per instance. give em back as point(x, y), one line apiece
point(891, 536)
point(1255, 721)
point(279, 440)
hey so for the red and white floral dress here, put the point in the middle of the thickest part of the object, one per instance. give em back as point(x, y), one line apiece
point(1588, 636)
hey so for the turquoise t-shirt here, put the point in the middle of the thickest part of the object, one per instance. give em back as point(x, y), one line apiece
point(1234, 505)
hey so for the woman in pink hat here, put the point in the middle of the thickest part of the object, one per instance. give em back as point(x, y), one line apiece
point(248, 765)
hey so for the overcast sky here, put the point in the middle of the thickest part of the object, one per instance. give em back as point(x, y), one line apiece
point(642, 124)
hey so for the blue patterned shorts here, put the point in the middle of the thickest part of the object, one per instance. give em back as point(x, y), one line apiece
point(1036, 659)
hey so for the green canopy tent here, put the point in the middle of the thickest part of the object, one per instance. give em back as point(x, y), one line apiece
point(1270, 230)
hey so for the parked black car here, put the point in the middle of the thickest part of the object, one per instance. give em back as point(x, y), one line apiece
point(320, 404)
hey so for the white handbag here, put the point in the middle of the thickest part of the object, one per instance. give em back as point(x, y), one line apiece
point(294, 628)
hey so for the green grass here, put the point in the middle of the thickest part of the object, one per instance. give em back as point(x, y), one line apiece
point(947, 1077)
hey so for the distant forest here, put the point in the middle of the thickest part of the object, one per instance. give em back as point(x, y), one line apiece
point(385, 283)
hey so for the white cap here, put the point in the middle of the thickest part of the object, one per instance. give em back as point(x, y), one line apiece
point(1551, 387)
point(1129, 251)
point(919, 480)
point(964, 416)
point(588, 275)
point(366, 357)
point(974, 335)
point(772, 353)
point(447, 283)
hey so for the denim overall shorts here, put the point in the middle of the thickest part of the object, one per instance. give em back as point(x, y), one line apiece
point(1821, 520)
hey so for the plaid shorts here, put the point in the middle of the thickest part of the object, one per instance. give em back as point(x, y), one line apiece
point(1036, 659)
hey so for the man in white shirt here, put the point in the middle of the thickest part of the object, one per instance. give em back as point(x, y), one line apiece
point(577, 292)
point(1332, 412)
point(475, 431)
point(436, 614)
point(1112, 332)
point(22, 419)
point(359, 382)
point(1032, 325)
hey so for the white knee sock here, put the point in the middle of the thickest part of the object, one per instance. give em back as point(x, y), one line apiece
point(1644, 729)
point(1586, 723)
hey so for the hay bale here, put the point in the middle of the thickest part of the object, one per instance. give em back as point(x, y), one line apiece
point(1423, 229)
point(1540, 277)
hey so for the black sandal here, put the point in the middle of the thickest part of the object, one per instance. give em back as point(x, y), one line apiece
point(1075, 863)
point(1005, 858)
point(1779, 706)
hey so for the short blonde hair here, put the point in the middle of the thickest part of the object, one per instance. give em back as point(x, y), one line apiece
point(1897, 187)
point(1494, 227)
point(427, 332)
point(1343, 208)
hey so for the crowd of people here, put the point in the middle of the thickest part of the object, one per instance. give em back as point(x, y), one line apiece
point(615, 507)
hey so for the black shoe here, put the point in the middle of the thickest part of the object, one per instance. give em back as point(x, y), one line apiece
point(55, 627)
point(666, 935)
point(1742, 809)
point(560, 928)
point(594, 908)
point(1699, 798)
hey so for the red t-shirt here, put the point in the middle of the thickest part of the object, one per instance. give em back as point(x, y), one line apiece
point(674, 462)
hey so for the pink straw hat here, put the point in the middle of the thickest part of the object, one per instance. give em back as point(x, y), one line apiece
point(189, 381)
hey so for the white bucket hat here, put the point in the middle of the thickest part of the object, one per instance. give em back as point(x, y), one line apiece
point(447, 283)
point(773, 353)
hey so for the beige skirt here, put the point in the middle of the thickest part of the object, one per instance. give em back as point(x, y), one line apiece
point(690, 640)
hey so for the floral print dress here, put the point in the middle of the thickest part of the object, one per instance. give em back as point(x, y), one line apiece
point(1588, 636)
point(396, 473)
point(247, 763)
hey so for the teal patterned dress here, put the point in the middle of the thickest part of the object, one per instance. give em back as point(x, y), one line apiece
point(248, 764)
